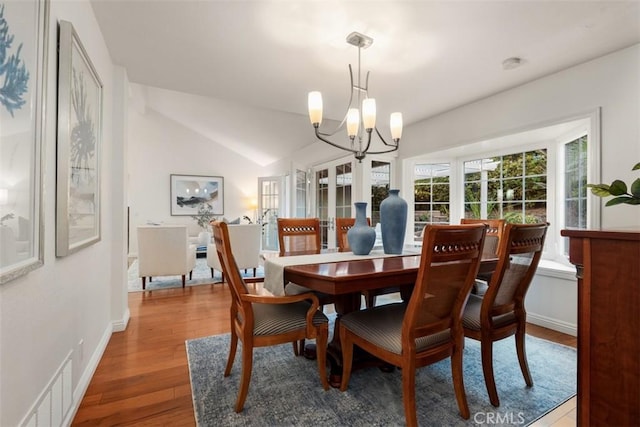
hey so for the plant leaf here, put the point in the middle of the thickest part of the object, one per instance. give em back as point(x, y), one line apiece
point(619, 200)
point(635, 188)
point(600, 190)
point(618, 188)
point(636, 167)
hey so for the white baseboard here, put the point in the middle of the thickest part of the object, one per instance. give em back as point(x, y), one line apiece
point(554, 324)
point(86, 376)
point(121, 325)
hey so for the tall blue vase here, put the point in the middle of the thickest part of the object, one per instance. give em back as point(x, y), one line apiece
point(393, 220)
point(361, 237)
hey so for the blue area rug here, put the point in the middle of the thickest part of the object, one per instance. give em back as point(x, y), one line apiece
point(201, 276)
point(285, 390)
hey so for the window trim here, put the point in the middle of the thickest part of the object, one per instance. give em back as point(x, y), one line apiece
point(588, 122)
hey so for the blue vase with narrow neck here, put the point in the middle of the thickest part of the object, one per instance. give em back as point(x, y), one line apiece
point(361, 237)
point(393, 222)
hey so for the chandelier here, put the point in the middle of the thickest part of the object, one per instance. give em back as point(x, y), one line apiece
point(359, 137)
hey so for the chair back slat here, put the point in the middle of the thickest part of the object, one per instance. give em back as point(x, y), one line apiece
point(299, 236)
point(494, 233)
point(240, 311)
point(519, 256)
point(448, 266)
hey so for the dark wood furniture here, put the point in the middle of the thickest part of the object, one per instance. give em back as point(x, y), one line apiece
point(608, 271)
point(428, 328)
point(345, 280)
point(500, 312)
point(259, 321)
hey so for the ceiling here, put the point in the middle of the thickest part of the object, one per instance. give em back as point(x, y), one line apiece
point(427, 57)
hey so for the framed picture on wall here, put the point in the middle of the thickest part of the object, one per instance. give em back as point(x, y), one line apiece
point(23, 71)
point(79, 146)
point(189, 192)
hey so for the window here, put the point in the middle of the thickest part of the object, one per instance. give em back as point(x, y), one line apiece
point(538, 175)
point(380, 182)
point(513, 187)
point(431, 191)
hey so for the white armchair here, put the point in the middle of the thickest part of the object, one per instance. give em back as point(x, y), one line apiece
point(164, 250)
point(245, 243)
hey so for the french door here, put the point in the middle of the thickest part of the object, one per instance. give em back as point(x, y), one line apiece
point(271, 205)
point(333, 196)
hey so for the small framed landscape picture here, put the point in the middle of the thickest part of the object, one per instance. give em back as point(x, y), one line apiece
point(188, 192)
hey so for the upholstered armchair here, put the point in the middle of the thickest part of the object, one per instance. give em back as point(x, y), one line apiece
point(245, 240)
point(164, 250)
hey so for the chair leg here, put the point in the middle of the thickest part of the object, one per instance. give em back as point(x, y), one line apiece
point(522, 355)
point(212, 272)
point(295, 348)
point(190, 274)
point(486, 347)
point(458, 380)
point(321, 352)
point(409, 393)
point(184, 280)
point(245, 377)
point(347, 358)
point(144, 283)
point(233, 345)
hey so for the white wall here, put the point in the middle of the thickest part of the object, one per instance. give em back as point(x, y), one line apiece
point(159, 147)
point(45, 314)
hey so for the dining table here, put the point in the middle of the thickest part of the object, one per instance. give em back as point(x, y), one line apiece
point(345, 275)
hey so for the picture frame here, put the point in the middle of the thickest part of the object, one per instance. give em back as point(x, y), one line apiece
point(188, 192)
point(23, 42)
point(78, 147)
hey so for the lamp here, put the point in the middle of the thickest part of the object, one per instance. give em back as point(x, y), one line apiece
point(359, 143)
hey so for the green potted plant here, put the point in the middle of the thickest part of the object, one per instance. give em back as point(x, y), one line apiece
point(203, 218)
point(619, 190)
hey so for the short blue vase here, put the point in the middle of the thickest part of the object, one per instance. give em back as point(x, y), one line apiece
point(393, 222)
point(361, 237)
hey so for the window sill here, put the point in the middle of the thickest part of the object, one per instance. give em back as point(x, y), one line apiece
point(556, 269)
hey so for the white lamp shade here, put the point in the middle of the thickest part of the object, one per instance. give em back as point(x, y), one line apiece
point(369, 113)
point(315, 107)
point(395, 124)
point(353, 121)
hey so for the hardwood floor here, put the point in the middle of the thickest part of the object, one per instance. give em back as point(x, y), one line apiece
point(143, 377)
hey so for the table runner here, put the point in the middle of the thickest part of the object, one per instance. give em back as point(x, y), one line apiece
point(274, 267)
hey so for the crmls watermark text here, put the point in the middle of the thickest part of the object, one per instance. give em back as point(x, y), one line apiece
point(498, 418)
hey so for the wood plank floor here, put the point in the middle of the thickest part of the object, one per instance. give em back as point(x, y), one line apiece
point(143, 377)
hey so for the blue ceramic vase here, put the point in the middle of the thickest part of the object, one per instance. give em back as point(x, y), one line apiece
point(393, 222)
point(361, 237)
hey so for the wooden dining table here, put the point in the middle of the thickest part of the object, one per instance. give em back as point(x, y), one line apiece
point(347, 279)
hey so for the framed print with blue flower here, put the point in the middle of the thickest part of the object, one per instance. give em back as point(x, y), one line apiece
point(79, 145)
point(23, 71)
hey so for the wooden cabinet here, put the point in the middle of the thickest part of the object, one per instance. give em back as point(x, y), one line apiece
point(608, 271)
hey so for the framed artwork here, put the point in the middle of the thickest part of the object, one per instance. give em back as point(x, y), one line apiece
point(23, 71)
point(188, 192)
point(79, 146)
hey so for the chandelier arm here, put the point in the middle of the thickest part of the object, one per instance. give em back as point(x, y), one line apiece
point(319, 136)
point(385, 142)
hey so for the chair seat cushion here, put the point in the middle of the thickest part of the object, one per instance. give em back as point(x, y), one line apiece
point(274, 319)
point(382, 326)
point(471, 317)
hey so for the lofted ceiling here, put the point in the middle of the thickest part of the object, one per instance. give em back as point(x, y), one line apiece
point(427, 57)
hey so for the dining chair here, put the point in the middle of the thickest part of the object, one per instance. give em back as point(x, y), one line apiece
point(259, 321)
point(428, 328)
point(500, 312)
point(301, 236)
point(491, 245)
point(343, 225)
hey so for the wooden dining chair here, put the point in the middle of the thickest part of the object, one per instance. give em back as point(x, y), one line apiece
point(501, 313)
point(301, 236)
point(259, 321)
point(342, 227)
point(428, 328)
point(491, 245)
